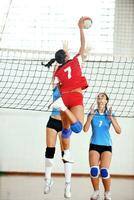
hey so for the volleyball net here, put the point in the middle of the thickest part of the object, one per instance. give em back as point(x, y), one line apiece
point(26, 37)
point(25, 84)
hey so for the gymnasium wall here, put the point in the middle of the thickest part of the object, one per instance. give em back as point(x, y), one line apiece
point(22, 145)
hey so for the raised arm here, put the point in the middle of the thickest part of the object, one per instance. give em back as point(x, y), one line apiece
point(82, 36)
point(115, 125)
point(114, 122)
point(89, 119)
point(87, 123)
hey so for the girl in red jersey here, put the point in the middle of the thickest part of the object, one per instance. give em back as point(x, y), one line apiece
point(71, 83)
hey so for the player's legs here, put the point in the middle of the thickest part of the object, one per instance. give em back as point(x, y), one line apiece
point(75, 113)
point(78, 112)
point(72, 116)
point(72, 120)
point(75, 116)
point(75, 102)
point(51, 135)
point(53, 126)
point(68, 173)
point(67, 170)
point(66, 133)
point(104, 169)
point(94, 161)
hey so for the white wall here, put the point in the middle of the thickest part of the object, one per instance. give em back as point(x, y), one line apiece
point(22, 145)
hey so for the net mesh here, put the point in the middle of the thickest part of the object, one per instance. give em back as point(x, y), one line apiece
point(25, 83)
point(25, 39)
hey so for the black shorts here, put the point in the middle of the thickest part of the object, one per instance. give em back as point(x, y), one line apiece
point(55, 124)
point(100, 148)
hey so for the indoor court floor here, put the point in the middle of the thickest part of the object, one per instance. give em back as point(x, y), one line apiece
point(31, 188)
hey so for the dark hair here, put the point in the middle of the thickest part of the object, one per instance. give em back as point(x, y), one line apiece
point(107, 98)
point(60, 56)
point(49, 63)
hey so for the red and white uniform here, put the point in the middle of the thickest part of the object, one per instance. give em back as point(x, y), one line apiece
point(70, 75)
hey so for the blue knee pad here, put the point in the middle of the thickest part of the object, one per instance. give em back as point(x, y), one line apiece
point(76, 127)
point(104, 173)
point(66, 133)
point(94, 171)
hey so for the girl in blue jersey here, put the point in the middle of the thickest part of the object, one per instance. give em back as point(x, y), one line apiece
point(53, 130)
point(100, 150)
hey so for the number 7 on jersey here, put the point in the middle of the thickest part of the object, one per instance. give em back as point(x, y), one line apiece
point(68, 70)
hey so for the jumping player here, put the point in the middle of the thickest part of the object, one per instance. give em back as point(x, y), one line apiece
point(72, 83)
point(100, 150)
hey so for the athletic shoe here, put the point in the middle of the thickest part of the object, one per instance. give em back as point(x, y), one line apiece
point(48, 186)
point(107, 196)
point(67, 157)
point(95, 195)
point(58, 104)
point(67, 191)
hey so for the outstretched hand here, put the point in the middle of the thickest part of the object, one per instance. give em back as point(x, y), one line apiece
point(91, 110)
point(81, 21)
point(110, 112)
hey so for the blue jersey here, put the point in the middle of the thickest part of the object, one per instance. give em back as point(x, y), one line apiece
point(100, 129)
point(56, 95)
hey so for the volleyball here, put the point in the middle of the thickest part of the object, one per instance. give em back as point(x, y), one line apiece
point(87, 23)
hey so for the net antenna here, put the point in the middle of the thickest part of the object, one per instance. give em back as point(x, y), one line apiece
point(25, 84)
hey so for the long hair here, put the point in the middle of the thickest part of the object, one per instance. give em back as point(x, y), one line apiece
point(59, 58)
point(107, 98)
point(50, 63)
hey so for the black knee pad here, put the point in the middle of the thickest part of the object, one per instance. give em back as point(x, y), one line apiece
point(50, 151)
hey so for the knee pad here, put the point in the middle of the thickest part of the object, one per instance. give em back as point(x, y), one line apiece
point(104, 173)
point(50, 151)
point(76, 127)
point(66, 133)
point(94, 171)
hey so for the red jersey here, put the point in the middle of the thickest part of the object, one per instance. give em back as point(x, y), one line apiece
point(70, 75)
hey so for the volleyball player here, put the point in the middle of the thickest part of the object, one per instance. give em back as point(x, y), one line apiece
point(100, 150)
point(72, 83)
point(53, 130)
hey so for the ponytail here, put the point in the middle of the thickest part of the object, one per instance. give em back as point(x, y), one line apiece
point(48, 65)
point(60, 56)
